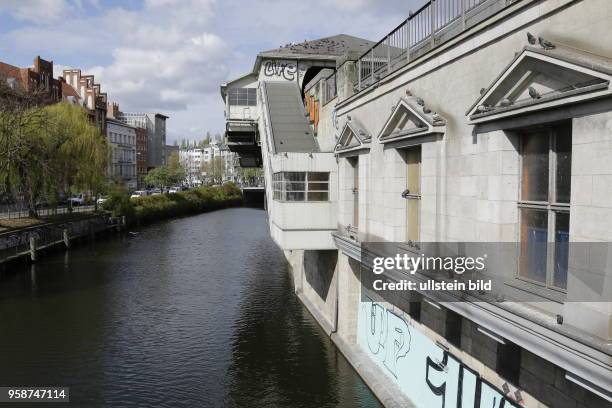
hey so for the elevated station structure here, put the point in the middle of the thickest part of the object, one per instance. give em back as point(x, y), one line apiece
point(474, 122)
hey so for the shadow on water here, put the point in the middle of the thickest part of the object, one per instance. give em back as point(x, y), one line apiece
point(194, 312)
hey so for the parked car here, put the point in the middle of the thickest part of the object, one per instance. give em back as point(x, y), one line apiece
point(138, 193)
point(101, 200)
point(174, 190)
point(77, 200)
point(156, 191)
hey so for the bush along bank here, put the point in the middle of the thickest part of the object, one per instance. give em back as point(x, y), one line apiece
point(152, 208)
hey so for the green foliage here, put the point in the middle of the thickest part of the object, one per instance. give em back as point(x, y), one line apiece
point(250, 175)
point(46, 151)
point(156, 207)
point(165, 176)
point(214, 169)
point(119, 202)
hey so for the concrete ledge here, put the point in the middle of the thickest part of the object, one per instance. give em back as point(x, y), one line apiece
point(381, 385)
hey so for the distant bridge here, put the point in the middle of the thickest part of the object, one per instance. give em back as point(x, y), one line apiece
point(254, 196)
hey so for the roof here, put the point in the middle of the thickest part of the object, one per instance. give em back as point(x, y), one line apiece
point(68, 90)
point(12, 71)
point(231, 81)
point(334, 46)
point(118, 122)
point(290, 128)
point(328, 49)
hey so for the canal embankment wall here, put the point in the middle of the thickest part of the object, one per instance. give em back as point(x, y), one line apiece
point(32, 242)
point(328, 285)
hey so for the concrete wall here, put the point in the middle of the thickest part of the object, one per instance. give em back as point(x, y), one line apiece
point(316, 283)
point(470, 187)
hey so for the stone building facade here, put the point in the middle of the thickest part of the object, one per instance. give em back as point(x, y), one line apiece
point(155, 124)
point(122, 165)
point(492, 128)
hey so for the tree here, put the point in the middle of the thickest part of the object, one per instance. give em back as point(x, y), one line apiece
point(46, 150)
point(176, 171)
point(250, 175)
point(215, 169)
point(169, 175)
point(78, 150)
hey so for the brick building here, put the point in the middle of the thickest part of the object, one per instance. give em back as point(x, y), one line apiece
point(91, 96)
point(38, 77)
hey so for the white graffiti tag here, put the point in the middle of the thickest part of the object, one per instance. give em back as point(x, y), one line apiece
point(286, 70)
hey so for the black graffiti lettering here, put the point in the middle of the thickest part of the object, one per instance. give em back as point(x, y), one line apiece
point(286, 70)
point(388, 337)
point(436, 389)
point(400, 341)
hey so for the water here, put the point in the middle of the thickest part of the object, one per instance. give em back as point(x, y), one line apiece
point(194, 312)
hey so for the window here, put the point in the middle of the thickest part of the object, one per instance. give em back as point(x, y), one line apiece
point(242, 96)
point(300, 186)
point(544, 204)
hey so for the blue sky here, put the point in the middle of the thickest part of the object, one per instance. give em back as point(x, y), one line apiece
point(171, 55)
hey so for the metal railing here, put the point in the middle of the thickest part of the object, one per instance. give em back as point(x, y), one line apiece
point(20, 211)
point(20, 242)
point(421, 30)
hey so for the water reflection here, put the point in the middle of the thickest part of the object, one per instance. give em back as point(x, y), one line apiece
point(195, 312)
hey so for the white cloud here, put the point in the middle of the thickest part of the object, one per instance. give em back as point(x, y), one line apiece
point(171, 55)
point(41, 11)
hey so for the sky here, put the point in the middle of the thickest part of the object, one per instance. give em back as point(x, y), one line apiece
point(170, 56)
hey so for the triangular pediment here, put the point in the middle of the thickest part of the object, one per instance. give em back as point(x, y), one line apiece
point(352, 137)
point(409, 118)
point(541, 79)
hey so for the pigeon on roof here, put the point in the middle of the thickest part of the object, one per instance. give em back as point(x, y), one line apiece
point(333, 46)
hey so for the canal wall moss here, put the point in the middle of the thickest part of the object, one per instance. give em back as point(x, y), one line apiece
point(163, 206)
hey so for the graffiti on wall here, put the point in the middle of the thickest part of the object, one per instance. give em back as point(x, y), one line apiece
point(280, 69)
point(427, 373)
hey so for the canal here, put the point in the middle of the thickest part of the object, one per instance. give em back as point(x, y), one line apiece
point(193, 312)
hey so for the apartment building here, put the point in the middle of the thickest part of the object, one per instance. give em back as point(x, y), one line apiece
point(122, 165)
point(155, 124)
point(141, 156)
point(473, 124)
point(192, 159)
point(38, 77)
point(90, 95)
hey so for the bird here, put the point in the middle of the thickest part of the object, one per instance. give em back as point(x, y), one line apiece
point(436, 117)
point(531, 39)
point(408, 93)
point(483, 108)
point(426, 110)
point(533, 93)
point(420, 101)
point(348, 117)
point(545, 44)
point(505, 102)
point(482, 91)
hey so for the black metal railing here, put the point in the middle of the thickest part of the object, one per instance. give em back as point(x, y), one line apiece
point(421, 29)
